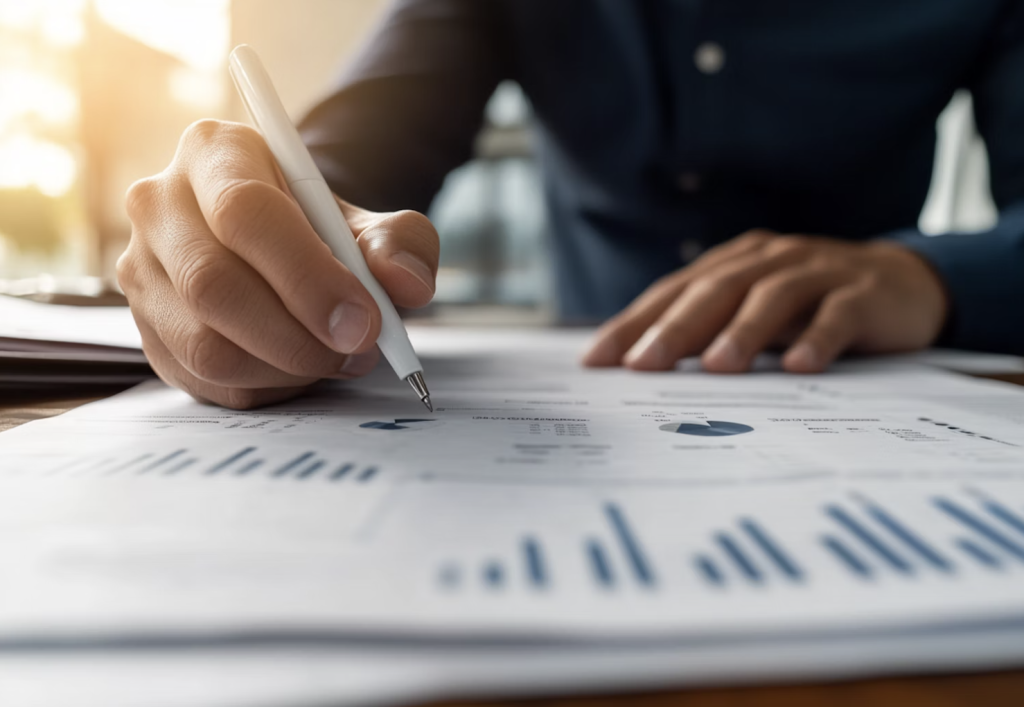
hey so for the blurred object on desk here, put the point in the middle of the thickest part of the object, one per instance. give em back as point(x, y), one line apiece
point(62, 346)
point(54, 289)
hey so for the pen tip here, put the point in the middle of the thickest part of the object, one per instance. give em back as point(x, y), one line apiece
point(420, 386)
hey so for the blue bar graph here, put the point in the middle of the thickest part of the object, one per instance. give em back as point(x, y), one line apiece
point(709, 570)
point(771, 548)
point(869, 538)
point(181, 466)
point(739, 558)
point(161, 461)
point(311, 469)
point(846, 556)
point(367, 474)
point(1004, 514)
point(230, 460)
point(535, 568)
point(909, 538)
point(288, 466)
point(342, 471)
point(979, 526)
point(599, 564)
point(979, 553)
point(247, 468)
point(494, 575)
point(630, 546)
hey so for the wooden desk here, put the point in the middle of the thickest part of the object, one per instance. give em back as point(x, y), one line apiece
point(997, 689)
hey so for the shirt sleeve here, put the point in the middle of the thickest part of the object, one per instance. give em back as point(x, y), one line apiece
point(984, 272)
point(406, 111)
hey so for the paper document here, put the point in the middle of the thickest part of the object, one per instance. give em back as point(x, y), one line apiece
point(56, 346)
point(541, 501)
point(33, 326)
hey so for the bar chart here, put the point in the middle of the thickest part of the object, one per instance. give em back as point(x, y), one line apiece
point(854, 539)
point(244, 462)
point(532, 570)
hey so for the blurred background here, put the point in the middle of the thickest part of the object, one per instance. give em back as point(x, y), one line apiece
point(94, 94)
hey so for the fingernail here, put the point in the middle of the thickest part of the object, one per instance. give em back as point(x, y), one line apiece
point(648, 352)
point(804, 357)
point(603, 353)
point(349, 324)
point(358, 365)
point(415, 267)
point(724, 353)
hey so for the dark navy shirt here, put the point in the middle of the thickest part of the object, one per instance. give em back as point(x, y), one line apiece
point(663, 122)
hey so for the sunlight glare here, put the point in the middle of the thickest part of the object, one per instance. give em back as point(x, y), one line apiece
point(27, 93)
point(59, 21)
point(26, 161)
point(195, 31)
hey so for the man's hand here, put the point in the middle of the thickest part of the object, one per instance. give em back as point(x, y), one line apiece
point(238, 300)
point(819, 296)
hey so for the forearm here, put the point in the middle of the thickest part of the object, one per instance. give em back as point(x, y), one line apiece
point(406, 111)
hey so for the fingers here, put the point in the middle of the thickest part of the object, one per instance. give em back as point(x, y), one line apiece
point(402, 250)
point(835, 327)
point(200, 350)
point(772, 304)
point(615, 338)
point(253, 218)
point(703, 310)
point(173, 373)
point(621, 332)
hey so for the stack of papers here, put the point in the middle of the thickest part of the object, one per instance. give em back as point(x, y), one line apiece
point(47, 345)
point(547, 529)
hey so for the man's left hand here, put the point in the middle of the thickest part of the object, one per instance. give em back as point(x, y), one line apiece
point(818, 297)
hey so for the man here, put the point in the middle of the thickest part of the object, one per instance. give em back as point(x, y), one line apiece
point(793, 141)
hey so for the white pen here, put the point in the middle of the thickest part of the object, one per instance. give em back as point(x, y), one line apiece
point(318, 204)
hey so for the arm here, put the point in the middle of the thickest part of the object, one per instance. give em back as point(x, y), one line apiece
point(984, 273)
point(406, 111)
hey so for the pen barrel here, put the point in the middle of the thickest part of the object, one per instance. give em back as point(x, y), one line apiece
point(324, 214)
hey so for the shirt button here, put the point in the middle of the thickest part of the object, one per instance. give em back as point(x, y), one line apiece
point(690, 250)
point(689, 182)
point(709, 58)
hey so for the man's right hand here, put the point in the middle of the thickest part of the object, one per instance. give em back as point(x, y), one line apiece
point(238, 300)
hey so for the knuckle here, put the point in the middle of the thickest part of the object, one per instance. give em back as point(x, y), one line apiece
point(209, 133)
point(757, 236)
point(411, 229)
point(708, 286)
point(201, 283)
point(201, 132)
point(126, 269)
point(417, 227)
point(787, 245)
point(719, 283)
point(210, 358)
point(141, 198)
point(239, 208)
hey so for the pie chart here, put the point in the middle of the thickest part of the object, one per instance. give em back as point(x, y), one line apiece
point(399, 424)
point(711, 428)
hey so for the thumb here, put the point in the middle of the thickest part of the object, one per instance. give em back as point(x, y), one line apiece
point(401, 249)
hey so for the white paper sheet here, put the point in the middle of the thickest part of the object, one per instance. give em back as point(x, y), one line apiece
point(367, 673)
point(541, 501)
point(26, 321)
